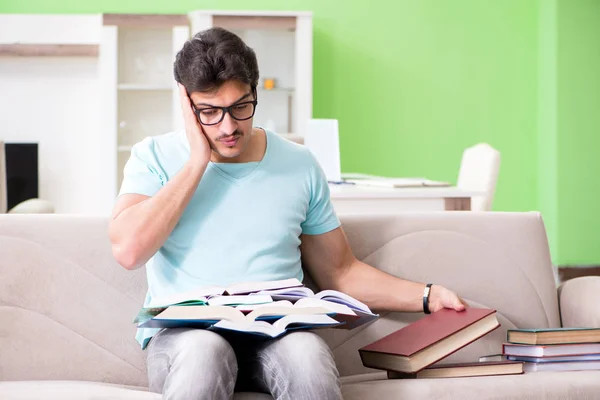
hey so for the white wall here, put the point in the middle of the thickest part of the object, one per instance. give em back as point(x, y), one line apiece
point(54, 102)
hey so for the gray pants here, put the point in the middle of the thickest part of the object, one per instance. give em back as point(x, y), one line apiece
point(194, 364)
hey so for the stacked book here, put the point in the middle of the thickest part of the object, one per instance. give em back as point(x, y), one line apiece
point(269, 308)
point(415, 350)
point(560, 349)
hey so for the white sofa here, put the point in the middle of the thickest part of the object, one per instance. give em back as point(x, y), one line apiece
point(66, 307)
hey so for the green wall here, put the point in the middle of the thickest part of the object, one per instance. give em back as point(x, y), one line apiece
point(578, 131)
point(569, 128)
point(414, 82)
point(547, 120)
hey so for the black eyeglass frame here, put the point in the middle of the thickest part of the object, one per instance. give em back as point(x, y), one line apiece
point(225, 110)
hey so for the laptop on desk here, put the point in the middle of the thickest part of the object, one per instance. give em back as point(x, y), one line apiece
point(322, 139)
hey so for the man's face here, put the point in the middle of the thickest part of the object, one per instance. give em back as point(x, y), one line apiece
point(227, 134)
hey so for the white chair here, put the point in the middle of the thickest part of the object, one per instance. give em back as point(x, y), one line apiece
point(31, 206)
point(478, 172)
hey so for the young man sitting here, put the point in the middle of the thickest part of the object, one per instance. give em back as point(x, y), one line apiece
point(221, 202)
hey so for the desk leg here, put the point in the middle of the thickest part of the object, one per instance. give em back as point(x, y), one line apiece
point(457, 203)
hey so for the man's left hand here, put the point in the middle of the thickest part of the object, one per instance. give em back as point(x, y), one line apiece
point(440, 297)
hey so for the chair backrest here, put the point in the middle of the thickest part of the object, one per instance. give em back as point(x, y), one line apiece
point(322, 138)
point(3, 194)
point(479, 172)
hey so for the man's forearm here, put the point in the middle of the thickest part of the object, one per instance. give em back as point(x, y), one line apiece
point(140, 230)
point(379, 290)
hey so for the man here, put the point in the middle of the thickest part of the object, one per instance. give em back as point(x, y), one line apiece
point(225, 202)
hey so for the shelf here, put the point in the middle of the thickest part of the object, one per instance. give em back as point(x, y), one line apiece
point(145, 20)
point(143, 86)
point(49, 50)
point(255, 22)
point(277, 90)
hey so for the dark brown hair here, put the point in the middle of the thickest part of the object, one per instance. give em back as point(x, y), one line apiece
point(211, 58)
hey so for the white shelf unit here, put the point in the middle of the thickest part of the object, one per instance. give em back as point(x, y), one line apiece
point(139, 93)
point(56, 56)
point(283, 43)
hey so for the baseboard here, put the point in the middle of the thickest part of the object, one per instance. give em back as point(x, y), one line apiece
point(566, 272)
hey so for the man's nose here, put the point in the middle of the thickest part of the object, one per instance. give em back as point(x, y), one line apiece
point(228, 125)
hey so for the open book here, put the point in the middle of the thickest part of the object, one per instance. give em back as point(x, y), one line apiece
point(398, 182)
point(247, 297)
point(206, 316)
point(339, 312)
point(279, 327)
point(202, 295)
point(147, 313)
point(330, 296)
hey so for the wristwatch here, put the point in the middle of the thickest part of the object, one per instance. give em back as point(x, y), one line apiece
point(426, 298)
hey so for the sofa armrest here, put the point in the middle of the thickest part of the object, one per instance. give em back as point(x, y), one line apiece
point(578, 299)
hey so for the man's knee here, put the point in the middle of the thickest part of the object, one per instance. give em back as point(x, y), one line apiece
point(203, 347)
point(300, 365)
point(201, 365)
point(300, 349)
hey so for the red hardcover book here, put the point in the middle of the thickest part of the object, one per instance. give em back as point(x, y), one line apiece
point(462, 370)
point(428, 340)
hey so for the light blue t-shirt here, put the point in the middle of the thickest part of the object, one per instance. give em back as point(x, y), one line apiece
point(242, 224)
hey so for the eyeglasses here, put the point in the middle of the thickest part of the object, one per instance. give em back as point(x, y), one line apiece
point(214, 115)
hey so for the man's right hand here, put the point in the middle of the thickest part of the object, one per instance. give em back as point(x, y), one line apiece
point(200, 150)
point(141, 224)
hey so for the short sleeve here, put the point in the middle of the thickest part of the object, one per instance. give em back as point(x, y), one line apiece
point(142, 173)
point(320, 217)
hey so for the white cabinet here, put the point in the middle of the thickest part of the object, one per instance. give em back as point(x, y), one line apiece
point(283, 44)
point(139, 93)
point(49, 96)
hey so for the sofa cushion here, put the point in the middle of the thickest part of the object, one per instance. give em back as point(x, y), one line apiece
point(540, 385)
point(74, 390)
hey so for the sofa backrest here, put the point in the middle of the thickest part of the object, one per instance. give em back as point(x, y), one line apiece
point(492, 260)
point(66, 306)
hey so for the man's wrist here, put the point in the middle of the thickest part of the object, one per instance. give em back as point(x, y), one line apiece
point(197, 166)
point(426, 298)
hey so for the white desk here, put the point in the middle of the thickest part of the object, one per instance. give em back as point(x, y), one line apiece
point(351, 199)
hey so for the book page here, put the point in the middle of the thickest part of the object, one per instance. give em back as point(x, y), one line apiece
point(342, 298)
point(261, 327)
point(399, 182)
point(250, 287)
point(315, 302)
point(291, 294)
point(285, 311)
point(307, 320)
point(197, 295)
point(252, 307)
point(235, 300)
point(207, 313)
